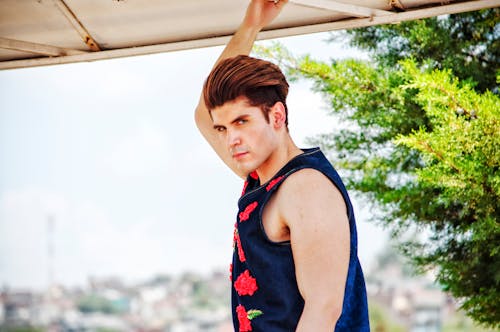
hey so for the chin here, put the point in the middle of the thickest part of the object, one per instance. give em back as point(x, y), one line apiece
point(246, 168)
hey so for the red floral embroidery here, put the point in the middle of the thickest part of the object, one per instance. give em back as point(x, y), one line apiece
point(246, 284)
point(246, 214)
point(245, 317)
point(234, 238)
point(245, 185)
point(273, 183)
point(241, 254)
point(254, 175)
point(245, 324)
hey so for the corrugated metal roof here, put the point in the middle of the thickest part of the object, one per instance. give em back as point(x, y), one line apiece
point(43, 32)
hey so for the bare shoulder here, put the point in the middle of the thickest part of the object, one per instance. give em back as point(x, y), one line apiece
point(309, 187)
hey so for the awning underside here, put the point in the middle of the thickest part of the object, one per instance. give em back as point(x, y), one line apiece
point(44, 32)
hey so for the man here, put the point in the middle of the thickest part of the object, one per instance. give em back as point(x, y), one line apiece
point(295, 264)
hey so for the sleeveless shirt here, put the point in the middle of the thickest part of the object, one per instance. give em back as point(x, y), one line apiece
point(265, 295)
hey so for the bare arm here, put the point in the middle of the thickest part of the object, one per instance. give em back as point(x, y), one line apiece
point(315, 213)
point(259, 14)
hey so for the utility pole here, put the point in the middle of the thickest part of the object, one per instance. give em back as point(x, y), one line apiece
point(50, 249)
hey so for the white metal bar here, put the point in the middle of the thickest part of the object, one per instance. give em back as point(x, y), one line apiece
point(269, 34)
point(353, 10)
point(77, 25)
point(48, 50)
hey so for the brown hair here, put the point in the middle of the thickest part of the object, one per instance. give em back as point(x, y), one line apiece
point(260, 81)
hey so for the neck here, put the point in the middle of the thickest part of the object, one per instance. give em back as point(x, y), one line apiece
point(279, 158)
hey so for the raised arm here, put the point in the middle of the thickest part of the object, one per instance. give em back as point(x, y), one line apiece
point(259, 14)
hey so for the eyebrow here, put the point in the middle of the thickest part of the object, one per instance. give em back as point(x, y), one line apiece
point(238, 118)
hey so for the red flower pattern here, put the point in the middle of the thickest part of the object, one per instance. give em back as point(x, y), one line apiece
point(244, 188)
point(246, 284)
point(244, 317)
point(237, 241)
point(234, 237)
point(273, 183)
point(244, 215)
point(245, 324)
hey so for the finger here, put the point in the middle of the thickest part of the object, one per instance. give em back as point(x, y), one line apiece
point(280, 3)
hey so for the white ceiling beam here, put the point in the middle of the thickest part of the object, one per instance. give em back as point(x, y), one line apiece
point(77, 25)
point(268, 34)
point(352, 10)
point(42, 49)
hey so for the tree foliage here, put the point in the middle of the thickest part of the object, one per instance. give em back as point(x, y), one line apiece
point(461, 164)
point(468, 44)
point(96, 303)
point(420, 138)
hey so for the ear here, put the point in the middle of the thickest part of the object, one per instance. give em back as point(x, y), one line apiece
point(277, 115)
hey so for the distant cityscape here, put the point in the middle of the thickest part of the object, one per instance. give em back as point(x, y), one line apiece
point(191, 302)
point(182, 304)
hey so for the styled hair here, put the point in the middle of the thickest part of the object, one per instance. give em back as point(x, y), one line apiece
point(260, 81)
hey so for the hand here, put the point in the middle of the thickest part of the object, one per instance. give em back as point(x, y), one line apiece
point(262, 12)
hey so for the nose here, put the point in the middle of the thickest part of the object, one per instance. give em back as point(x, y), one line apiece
point(233, 138)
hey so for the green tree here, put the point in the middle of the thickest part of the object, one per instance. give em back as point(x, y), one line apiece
point(96, 303)
point(420, 139)
point(468, 44)
point(380, 320)
point(460, 163)
point(6, 328)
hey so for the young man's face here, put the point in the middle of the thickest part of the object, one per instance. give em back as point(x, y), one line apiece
point(245, 132)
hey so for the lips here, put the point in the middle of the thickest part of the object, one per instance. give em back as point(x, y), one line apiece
point(239, 155)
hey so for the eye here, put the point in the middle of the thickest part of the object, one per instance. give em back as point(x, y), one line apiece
point(242, 121)
point(220, 129)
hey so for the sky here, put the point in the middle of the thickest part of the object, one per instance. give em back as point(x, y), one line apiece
point(103, 172)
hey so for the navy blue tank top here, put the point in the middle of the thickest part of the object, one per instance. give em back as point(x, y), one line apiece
point(265, 295)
